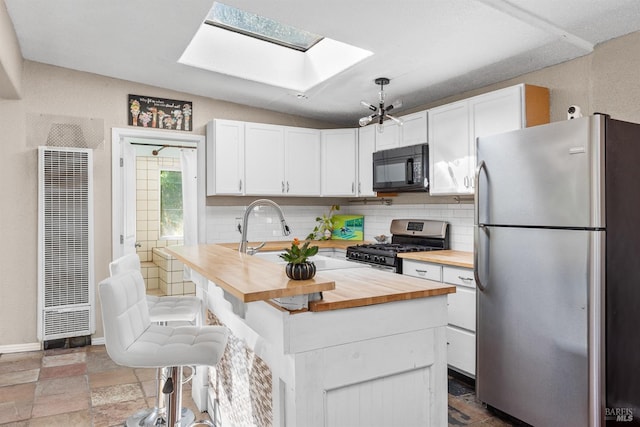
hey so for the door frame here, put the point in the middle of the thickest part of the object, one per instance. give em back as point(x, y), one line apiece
point(118, 136)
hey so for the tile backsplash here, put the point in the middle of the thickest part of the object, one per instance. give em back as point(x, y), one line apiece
point(264, 224)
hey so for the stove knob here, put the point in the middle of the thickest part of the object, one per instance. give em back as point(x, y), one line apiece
point(366, 257)
point(376, 259)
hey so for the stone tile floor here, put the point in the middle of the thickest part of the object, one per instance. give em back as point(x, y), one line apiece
point(83, 387)
point(465, 410)
point(74, 387)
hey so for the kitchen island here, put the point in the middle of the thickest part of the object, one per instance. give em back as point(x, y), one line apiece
point(371, 351)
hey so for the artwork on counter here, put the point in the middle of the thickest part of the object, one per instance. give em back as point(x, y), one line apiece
point(159, 113)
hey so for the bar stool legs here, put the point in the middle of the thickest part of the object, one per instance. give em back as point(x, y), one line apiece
point(167, 392)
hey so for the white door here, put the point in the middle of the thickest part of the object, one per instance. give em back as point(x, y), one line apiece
point(128, 180)
point(123, 184)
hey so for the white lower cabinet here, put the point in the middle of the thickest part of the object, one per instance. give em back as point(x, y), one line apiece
point(461, 350)
point(461, 309)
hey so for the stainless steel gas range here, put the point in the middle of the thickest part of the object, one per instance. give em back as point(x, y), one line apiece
point(407, 235)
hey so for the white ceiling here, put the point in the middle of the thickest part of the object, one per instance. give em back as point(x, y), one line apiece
point(429, 49)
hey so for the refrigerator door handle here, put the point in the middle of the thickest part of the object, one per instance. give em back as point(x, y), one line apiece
point(477, 226)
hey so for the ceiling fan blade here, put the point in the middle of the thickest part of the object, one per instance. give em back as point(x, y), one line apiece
point(369, 106)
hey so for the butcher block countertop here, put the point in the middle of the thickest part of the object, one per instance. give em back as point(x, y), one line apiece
point(357, 287)
point(448, 257)
point(253, 279)
point(246, 277)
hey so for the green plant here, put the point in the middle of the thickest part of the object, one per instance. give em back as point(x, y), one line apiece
point(323, 230)
point(297, 254)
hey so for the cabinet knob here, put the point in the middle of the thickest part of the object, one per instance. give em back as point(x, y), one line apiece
point(240, 186)
point(287, 186)
point(422, 272)
point(465, 279)
point(282, 183)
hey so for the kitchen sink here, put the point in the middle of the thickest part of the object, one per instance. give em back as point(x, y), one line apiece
point(322, 262)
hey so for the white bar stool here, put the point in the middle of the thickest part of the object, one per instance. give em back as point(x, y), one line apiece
point(162, 310)
point(132, 340)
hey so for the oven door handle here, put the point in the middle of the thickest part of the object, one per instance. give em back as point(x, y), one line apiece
point(408, 167)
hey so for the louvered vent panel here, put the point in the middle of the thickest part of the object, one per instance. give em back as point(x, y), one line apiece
point(66, 272)
point(63, 323)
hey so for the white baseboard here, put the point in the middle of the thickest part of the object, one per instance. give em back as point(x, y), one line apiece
point(20, 348)
point(37, 346)
point(97, 341)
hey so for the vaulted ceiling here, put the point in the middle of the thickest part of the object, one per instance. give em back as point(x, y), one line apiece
point(429, 49)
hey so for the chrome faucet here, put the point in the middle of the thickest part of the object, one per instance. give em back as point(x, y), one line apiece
point(245, 220)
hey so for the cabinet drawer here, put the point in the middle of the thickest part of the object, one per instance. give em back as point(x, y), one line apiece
point(458, 276)
point(462, 308)
point(461, 350)
point(422, 270)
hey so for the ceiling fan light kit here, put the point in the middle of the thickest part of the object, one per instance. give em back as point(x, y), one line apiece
point(380, 113)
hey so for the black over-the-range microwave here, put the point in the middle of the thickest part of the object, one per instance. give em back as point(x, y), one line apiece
point(403, 169)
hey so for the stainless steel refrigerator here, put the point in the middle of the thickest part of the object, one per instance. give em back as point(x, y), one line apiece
point(557, 265)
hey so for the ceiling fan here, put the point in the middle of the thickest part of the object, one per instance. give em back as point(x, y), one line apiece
point(381, 113)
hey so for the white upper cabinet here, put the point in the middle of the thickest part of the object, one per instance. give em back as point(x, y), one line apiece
point(414, 129)
point(339, 147)
point(496, 112)
point(366, 147)
point(282, 161)
point(450, 149)
point(264, 159)
point(225, 157)
point(453, 129)
point(389, 137)
point(302, 161)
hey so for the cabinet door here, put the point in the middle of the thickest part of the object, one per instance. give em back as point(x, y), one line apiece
point(338, 162)
point(264, 159)
point(414, 129)
point(422, 270)
point(366, 147)
point(450, 155)
point(225, 156)
point(496, 112)
point(302, 161)
point(461, 350)
point(389, 137)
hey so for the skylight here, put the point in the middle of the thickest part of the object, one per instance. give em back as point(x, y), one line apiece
point(260, 27)
point(259, 49)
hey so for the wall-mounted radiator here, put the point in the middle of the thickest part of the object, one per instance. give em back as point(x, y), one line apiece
point(66, 302)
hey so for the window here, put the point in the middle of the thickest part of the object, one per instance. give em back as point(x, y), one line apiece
point(260, 27)
point(171, 204)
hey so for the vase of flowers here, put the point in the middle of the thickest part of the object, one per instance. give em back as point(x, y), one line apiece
point(298, 266)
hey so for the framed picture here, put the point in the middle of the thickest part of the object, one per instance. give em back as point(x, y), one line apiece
point(160, 113)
